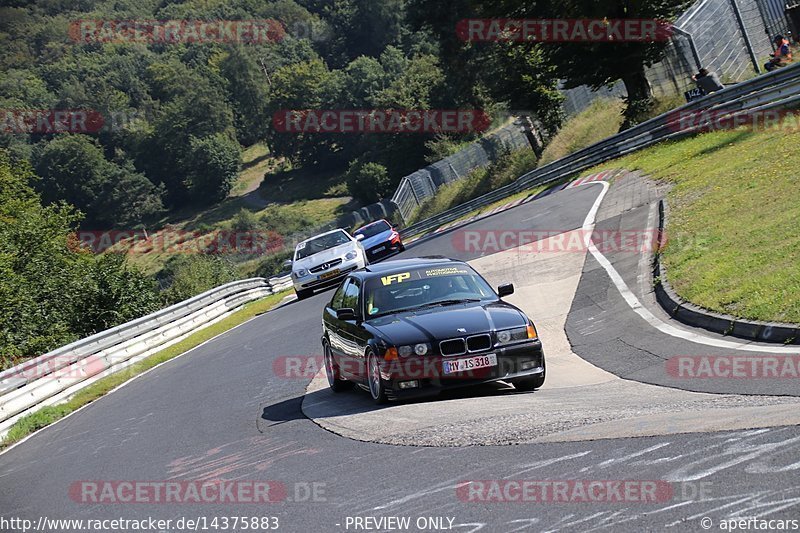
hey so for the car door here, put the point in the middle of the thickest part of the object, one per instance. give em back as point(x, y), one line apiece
point(332, 324)
point(352, 333)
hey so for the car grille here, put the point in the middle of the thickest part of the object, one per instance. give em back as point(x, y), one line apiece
point(453, 347)
point(475, 343)
point(478, 343)
point(325, 266)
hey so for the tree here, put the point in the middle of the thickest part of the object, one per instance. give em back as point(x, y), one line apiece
point(306, 85)
point(213, 167)
point(368, 182)
point(53, 291)
point(196, 111)
point(247, 86)
point(362, 27)
point(73, 169)
point(598, 64)
point(130, 200)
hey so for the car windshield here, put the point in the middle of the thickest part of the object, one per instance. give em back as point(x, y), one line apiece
point(373, 229)
point(320, 244)
point(424, 287)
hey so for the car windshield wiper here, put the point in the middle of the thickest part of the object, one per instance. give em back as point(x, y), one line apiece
point(451, 301)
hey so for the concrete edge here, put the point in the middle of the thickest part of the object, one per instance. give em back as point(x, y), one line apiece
point(693, 315)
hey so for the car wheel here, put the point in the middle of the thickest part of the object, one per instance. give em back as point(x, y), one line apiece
point(377, 388)
point(302, 294)
point(402, 248)
point(528, 384)
point(335, 381)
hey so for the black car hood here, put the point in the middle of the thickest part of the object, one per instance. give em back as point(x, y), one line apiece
point(434, 324)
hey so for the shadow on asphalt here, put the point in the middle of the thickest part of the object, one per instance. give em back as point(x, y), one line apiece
point(324, 403)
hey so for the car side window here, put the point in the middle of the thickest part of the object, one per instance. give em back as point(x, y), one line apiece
point(338, 296)
point(351, 293)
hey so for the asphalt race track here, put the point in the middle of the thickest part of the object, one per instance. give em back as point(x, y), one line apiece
point(724, 448)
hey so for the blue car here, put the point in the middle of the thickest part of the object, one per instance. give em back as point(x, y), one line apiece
point(379, 239)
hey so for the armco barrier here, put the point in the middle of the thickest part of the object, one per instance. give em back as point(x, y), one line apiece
point(56, 375)
point(780, 88)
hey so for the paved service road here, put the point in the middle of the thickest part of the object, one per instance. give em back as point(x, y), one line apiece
point(220, 412)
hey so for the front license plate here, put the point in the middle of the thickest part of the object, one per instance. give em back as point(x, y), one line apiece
point(469, 363)
point(378, 249)
point(329, 275)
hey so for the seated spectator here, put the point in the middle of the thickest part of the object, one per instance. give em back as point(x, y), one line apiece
point(708, 81)
point(782, 55)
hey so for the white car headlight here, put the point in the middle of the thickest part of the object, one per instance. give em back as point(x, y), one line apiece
point(419, 349)
point(351, 255)
point(301, 273)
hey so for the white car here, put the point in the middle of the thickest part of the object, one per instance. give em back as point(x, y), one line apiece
point(324, 260)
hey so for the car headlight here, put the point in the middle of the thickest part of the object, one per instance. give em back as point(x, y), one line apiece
point(351, 255)
point(506, 336)
point(420, 349)
point(301, 273)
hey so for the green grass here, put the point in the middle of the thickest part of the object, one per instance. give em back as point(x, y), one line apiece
point(480, 181)
point(600, 120)
point(303, 184)
point(47, 415)
point(256, 162)
point(286, 201)
point(734, 214)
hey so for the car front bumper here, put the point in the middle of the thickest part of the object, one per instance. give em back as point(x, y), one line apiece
point(324, 279)
point(384, 250)
point(517, 361)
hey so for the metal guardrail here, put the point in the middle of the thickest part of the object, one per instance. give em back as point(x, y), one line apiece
point(58, 374)
point(777, 89)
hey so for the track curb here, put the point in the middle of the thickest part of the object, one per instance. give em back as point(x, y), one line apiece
point(693, 315)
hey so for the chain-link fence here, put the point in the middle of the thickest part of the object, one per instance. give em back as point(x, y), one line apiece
point(421, 185)
point(728, 37)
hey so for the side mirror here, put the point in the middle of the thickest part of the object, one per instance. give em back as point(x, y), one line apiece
point(360, 237)
point(287, 263)
point(505, 289)
point(346, 313)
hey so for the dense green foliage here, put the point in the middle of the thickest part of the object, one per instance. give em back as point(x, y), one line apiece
point(368, 182)
point(52, 291)
point(177, 115)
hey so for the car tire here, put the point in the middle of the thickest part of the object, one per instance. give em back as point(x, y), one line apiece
point(376, 385)
point(528, 384)
point(335, 381)
point(302, 294)
point(402, 248)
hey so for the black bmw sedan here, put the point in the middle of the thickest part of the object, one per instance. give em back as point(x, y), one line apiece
point(414, 327)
